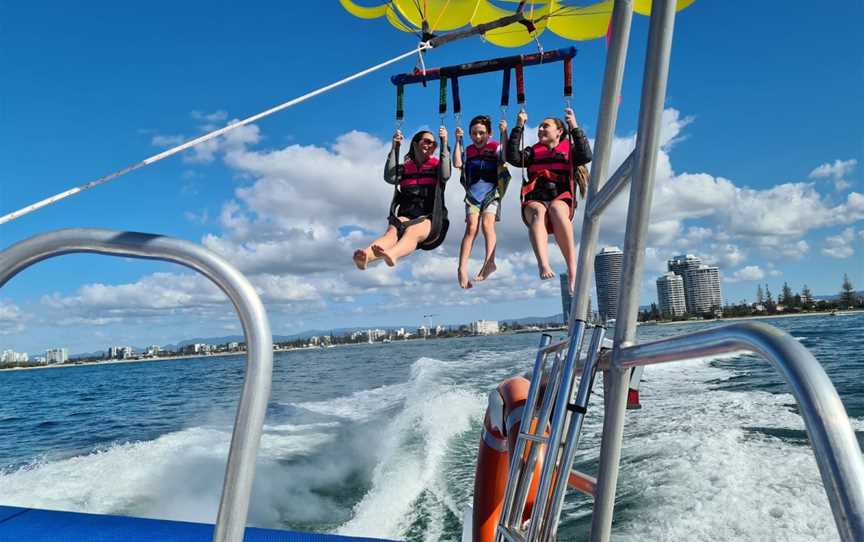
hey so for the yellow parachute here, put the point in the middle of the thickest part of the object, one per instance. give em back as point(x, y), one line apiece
point(568, 21)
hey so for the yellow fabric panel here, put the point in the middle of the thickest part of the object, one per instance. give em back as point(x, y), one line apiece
point(513, 35)
point(396, 21)
point(643, 7)
point(440, 14)
point(580, 23)
point(362, 11)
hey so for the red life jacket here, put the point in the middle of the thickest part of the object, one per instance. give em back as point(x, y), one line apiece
point(551, 165)
point(482, 164)
point(551, 172)
point(426, 174)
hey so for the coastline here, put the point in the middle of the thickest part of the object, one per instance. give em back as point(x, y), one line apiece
point(275, 350)
point(760, 317)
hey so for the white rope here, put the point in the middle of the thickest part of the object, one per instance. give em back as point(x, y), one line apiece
point(206, 137)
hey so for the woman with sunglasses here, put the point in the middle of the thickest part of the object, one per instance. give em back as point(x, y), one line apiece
point(417, 178)
point(481, 164)
point(555, 167)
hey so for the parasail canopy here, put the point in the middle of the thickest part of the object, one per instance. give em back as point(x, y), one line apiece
point(571, 20)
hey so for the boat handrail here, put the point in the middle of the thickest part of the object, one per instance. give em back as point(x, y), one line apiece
point(249, 422)
point(831, 435)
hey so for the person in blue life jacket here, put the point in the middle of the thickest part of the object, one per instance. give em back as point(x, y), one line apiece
point(555, 167)
point(485, 177)
point(419, 183)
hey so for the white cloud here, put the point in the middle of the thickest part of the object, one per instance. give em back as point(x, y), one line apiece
point(299, 211)
point(216, 116)
point(11, 318)
point(748, 273)
point(167, 140)
point(840, 246)
point(836, 172)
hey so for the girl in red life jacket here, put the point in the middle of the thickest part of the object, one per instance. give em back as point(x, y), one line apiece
point(483, 191)
point(417, 180)
point(548, 197)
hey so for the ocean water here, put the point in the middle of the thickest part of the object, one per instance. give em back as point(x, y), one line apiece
point(380, 440)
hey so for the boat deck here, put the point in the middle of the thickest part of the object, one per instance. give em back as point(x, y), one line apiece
point(33, 525)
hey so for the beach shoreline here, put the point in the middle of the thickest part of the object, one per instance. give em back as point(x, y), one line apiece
point(760, 317)
point(275, 350)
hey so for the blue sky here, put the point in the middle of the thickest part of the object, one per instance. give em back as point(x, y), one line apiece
point(760, 173)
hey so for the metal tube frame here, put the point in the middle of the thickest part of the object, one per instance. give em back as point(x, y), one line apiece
point(611, 189)
point(838, 455)
point(574, 430)
point(559, 413)
point(641, 191)
point(527, 414)
point(622, 15)
point(553, 383)
point(249, 422)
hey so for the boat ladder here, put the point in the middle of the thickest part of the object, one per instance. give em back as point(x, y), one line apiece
point(540, 435)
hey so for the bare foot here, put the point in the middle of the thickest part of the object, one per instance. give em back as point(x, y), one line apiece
point(381, 253)
point(361, 259)
point(463, 279)
point(546, 273)
point(488, 268)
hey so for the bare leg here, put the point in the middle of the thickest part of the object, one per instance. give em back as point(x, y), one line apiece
point(364, 256)
point(559, 215)
point(489, 266)
point(535, 216)
point(405, 246)
point(471, 222)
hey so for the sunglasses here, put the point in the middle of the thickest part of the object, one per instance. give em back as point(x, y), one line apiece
point(427, 141)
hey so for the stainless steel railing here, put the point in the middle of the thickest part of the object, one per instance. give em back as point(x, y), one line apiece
point(249, 423)
point(831, 435)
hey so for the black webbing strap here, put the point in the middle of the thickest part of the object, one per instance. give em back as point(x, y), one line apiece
point(520, 84)
point(573, 407)
point(568, 77)
point(400, 95)
point(505, 89)
point(454, 88)
point(442, 97)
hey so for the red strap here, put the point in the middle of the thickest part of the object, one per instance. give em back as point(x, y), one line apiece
point(520, 84)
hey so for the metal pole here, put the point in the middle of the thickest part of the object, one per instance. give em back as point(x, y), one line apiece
point(249, 423)
point(641, 192)
point(831, 436)
point(622, 14)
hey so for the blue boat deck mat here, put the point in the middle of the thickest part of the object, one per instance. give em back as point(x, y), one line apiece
point(32, 525)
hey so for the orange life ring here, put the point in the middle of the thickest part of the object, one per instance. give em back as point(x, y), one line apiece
point(500, 429)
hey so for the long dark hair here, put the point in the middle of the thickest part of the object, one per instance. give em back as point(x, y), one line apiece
point(414, 141)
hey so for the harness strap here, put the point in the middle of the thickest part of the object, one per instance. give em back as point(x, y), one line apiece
point(442, 97)
point(505, 89)
point(400, 98)
point(457, 102)
point(520, 84)
point(568, 77)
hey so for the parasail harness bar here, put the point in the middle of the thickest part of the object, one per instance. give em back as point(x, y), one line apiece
point(503, 64)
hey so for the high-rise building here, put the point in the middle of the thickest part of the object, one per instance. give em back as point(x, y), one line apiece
point(484, 327)
point(566, 298)
point(680, 265)
point(56, 355)
point(670, 295)
point(702, 289)
point(607, 276)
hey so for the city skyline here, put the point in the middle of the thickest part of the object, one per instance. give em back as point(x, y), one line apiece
point(288, 199)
